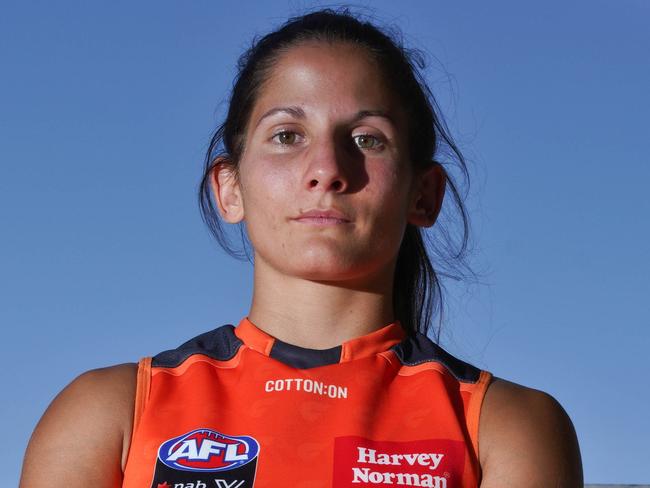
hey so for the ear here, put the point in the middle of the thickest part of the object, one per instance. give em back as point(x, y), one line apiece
point(224, 183)
point(428, 194)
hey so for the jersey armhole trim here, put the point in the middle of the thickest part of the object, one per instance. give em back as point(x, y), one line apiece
point(474, 415)
point(141, 393)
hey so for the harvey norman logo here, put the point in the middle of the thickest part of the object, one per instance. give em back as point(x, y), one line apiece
point(371, 456)
point(435, 463)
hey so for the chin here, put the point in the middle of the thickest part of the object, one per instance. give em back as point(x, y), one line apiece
point(328, 261)
point(332, 267)
point(323, 269)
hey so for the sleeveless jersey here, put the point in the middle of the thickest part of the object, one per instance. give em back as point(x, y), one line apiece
point(238, 408)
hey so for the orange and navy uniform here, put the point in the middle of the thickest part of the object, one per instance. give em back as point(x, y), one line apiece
point(237, 408)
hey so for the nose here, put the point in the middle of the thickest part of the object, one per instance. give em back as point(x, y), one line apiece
point(328, 167)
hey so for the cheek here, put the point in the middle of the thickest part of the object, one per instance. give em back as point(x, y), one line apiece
point(391, 189)
point(266, 192)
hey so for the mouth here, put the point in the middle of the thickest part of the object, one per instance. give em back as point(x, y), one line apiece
point(321, 221)
point(322, 217)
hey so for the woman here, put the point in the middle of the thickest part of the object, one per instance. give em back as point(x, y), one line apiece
point(328, 156)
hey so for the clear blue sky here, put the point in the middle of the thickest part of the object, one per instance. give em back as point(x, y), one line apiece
point(106, 109)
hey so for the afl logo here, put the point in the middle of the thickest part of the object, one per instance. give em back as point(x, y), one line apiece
point(207, 450)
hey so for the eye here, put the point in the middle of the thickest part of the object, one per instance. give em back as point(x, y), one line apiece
point(367, 141)
point(285, 137)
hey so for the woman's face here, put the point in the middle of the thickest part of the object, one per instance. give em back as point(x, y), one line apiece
point(324, 180)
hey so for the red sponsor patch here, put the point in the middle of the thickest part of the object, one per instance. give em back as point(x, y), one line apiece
point(436, 463)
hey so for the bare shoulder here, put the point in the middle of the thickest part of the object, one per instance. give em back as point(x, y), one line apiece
point(526, 440)
point(88, 426)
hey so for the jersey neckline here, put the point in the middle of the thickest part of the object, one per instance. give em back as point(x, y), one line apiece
point(370, 344)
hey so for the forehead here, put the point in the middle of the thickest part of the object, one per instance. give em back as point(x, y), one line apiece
point(337, 77)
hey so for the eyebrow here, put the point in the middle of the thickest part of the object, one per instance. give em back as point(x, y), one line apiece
point(296, 112)
point(299, 113)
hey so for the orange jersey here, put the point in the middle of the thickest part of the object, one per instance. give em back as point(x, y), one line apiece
point(237, 408)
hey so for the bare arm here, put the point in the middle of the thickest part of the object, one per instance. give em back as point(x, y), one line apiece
point(83, 437)
point(526, 440)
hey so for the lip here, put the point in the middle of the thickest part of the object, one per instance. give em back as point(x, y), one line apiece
point(322, 217)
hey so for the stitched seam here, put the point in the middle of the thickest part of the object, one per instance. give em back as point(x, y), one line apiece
point(462, 380)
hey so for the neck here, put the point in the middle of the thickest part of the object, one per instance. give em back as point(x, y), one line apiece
point(317, 314)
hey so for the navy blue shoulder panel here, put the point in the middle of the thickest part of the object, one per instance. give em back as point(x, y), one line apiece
point(420, 349)
point(220, 344)
point(303, 358)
